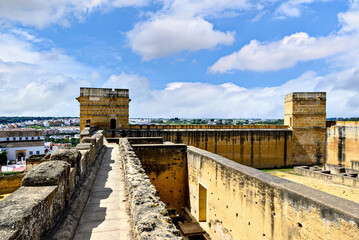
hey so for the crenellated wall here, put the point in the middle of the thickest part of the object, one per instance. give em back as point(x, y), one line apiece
point(238, 202)
point(47, 191)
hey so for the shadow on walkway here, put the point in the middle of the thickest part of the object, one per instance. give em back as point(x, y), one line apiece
point(105, 215)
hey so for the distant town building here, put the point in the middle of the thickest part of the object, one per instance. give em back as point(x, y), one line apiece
point(20, 144)
point(46, 124)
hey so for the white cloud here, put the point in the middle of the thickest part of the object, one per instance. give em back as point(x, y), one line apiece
point(166, 35)
point(181, 25)
point(138, 85)
point(41, 13)
point(294, 8)
point(205, 7)
point(285, 53)
point(228, 100)
point(290, 50)
point(38, 83)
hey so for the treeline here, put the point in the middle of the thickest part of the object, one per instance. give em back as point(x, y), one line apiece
point(73, 141)
point(344, 119)
point(5, 120)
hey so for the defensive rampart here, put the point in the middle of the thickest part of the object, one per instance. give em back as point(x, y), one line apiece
point(166, 166)
point(148, 212)
point(251, 146)
point(239, 202)
point(47, 191)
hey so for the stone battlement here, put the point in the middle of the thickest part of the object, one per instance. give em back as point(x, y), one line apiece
point(103, 92)
point(299, 96)
point(49, 190)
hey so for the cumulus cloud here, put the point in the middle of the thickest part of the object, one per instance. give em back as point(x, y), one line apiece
point(292, 8)
point(287, 52)
point(41, 13)
point(138, 85)
point(166, 35)
point(211, 8)
point(181, 25)
point(38, 83)
point(228, 100)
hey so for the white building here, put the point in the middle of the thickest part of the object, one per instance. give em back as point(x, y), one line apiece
point(20, 144)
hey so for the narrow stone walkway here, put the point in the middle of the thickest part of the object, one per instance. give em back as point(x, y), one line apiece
point(105, 216)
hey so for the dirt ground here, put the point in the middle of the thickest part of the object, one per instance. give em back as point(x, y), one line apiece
point(349, 193)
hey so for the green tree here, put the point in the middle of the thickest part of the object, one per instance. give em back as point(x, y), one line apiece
point(3, 158)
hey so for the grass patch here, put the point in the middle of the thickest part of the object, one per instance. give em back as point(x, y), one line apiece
point(10, 173)
point(284, 170)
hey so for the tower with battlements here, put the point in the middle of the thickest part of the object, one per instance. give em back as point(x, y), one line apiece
point(305, 114)
point(104, 108)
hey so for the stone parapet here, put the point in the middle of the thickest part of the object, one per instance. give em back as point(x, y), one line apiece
point(239, 202)
point(148, 212)
point(47, 192)
point(304, 96)
point(103, 92)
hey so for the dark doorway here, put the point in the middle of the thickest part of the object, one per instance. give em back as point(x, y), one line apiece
point(20, 156)
point(113, 124)
point(88, 122)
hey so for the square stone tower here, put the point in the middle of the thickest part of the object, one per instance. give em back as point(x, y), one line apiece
point(305, 114)
point(104, 108)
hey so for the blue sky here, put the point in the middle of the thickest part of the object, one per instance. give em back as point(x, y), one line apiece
point(179, 58)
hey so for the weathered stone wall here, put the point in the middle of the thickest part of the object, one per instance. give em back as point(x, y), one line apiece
point(166, 166)
point(305, 114)
point(100, 105)
point(148, 212)
point(342, 144)
point(259, 148)
point(46, 192)
point(245, 203)
point(10, 183)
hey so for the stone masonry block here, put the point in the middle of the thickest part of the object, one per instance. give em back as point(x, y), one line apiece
point(47, 174)
point(71, 156)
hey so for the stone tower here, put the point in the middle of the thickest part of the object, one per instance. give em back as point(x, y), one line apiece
point(305, 114)
point(104, 108)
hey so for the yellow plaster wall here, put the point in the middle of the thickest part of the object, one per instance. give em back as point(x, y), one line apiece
point(259, 148)
point(244, 203)
point(343, 143)
point(166, 167)
point(10, 183)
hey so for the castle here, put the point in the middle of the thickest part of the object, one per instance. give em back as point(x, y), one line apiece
point(202, 178)
point(301, 141)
